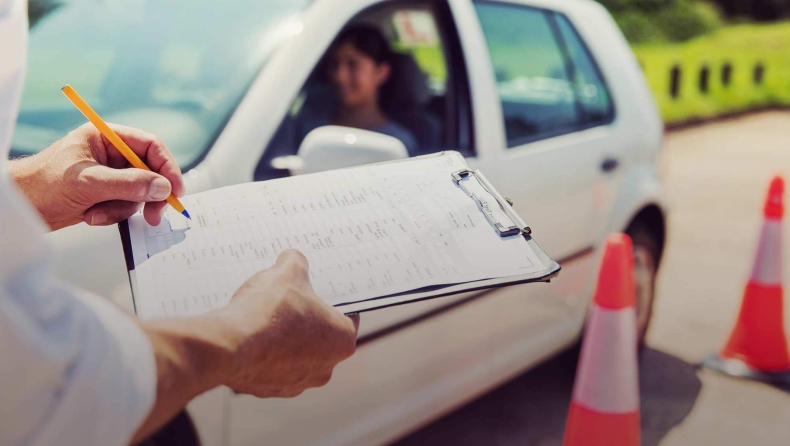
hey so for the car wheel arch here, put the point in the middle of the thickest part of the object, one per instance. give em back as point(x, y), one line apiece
point(653, 218)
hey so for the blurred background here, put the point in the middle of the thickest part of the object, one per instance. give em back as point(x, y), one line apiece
point(709, 58)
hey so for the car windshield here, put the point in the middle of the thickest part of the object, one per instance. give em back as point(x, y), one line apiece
point(173, 68)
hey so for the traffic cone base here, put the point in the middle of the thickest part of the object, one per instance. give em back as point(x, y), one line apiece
point(593, 428)
point(758, 338)
point(739, 369)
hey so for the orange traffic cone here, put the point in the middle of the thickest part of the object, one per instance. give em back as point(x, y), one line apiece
point(605, 406)
point(757, 348)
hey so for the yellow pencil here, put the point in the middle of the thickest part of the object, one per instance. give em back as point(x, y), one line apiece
point(115, 140)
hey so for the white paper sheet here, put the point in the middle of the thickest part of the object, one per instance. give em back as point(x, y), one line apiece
point(367, 232)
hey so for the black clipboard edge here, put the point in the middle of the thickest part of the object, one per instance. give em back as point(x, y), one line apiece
point(128, 256)
point(126, 241)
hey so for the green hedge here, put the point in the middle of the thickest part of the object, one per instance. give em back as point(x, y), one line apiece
point(654, 21)
point(741, 46)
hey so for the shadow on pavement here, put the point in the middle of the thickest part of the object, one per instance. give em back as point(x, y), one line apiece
point(782, 387)
point(669, 387)
point(531, 409)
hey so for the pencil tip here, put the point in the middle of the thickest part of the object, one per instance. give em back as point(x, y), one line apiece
point(186, 214)
point(64, 87)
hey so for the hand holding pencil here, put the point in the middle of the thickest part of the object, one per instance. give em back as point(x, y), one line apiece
point(83, 177)
point(115, 140)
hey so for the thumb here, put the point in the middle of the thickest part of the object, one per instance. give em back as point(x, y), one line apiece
point(354, 320)
point(130, 184)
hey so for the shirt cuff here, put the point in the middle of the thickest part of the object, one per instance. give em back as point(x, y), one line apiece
point(136, 355)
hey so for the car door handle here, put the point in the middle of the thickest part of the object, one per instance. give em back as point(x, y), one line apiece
point(609, 164)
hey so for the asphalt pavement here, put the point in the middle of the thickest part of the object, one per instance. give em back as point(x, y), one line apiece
point(716, 176)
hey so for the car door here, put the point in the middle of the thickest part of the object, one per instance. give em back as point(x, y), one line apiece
point(548, 115)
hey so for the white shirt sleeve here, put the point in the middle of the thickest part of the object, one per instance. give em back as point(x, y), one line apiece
point(74, 370)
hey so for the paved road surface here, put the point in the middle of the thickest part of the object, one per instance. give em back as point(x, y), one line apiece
point(716, 176)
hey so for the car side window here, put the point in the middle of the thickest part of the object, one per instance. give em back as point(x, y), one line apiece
point(424, 99)
point(591, 92)
point(532, 78)
point(546, 80)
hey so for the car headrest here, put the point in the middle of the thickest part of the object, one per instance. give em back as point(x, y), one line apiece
point(407, 87)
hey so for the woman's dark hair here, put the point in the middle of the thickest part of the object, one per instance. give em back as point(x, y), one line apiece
point(368, 40)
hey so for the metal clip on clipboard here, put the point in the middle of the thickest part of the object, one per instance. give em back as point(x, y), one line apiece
point(515, 226)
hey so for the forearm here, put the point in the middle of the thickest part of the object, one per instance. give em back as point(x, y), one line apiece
point(38, 186)
point(192, 356)
point(28, 175)
point(25, 174)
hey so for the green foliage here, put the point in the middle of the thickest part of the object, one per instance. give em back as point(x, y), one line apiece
point(639, 27)
point(741, 46)
point(663, 20)
point(637, 5)
point(686, 20)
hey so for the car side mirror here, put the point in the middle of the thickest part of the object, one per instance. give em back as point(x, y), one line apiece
point(335, 147)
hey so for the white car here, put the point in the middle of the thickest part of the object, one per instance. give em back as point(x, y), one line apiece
point(544, 96)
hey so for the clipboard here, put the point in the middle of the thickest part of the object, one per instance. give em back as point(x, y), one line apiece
point(499, 213)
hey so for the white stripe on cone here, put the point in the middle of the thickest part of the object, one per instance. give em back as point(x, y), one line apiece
point(607, 379)
point(768, 264)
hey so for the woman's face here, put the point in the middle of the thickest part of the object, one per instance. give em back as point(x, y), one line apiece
point(355, 75)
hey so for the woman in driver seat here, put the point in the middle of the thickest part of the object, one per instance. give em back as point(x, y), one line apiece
point(358, 66)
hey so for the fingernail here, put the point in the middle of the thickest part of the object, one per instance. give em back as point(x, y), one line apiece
point(98, 218)
point(160, 189)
